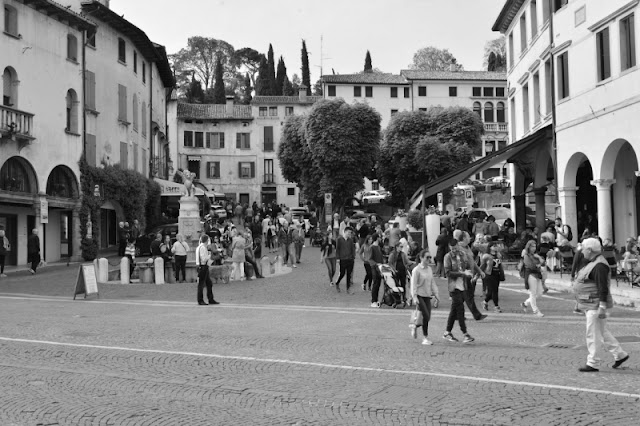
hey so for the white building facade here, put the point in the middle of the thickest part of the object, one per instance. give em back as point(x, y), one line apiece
point(413, 90)
point(573, 71)
point(232, 149)
point(62, 72)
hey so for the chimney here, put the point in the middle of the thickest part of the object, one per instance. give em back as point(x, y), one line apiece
point(229, 108)
point(104, 2)
point(453, 67)
point(302, 93)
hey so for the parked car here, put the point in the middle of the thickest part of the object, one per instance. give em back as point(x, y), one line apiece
point(219, 210)
point(358, 216)
point(500, 213)
point(503, 205)
point(464, 185)
point(302, 217)
point(298, 210)
point(497, 180)
point(372, 197)
point(461, 210)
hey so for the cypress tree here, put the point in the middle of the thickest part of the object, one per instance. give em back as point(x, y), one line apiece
point(247, 90)
point(367, 63)
point(271, 65)
point(262, 82)
point(218, 87)
point(306, 75)
point(280, 77)
point(287, 87)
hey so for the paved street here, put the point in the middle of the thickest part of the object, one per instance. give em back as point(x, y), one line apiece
point(289, 350)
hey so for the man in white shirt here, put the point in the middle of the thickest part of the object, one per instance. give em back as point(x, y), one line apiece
point(202, 264)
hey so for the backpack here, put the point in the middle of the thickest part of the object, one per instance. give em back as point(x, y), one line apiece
point(569, 234)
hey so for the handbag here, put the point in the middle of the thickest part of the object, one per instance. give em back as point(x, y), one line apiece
point(501, 276)
point(416, 317)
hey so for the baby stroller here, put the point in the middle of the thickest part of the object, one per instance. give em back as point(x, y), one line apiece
point(316, 239)
point(393, 294)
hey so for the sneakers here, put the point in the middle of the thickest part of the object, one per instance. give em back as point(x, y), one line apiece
point(485, 305)
point(619, 362)
point(414, 331)
point(295, 266)
point(524, 307)
point(364, 287)
point(578, 311)
point(427, 342)
point(481, 317)
point(539, 314)
point(588, 369)
point(497, 310)
point(467, 338)
point(3, 275)
point(375, 305)
point(331, 284)
point(450, 337)
point(32, 271)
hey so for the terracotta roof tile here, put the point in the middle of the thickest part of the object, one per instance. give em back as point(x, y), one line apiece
point(211, 111)
point(280, 100)
point(453, 75)
point(365, 78)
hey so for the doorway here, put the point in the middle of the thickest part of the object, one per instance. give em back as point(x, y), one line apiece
point(9, 223)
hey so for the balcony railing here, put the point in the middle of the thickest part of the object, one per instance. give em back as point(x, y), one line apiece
point(160, 167)
point(269, 178)
point(16, 123)
point(495, 127)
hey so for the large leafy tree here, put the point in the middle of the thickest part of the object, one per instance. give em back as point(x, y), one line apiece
point(246, 90)
point(433, 59)
point(296, 161)
point(306, 73)
point(419, 147)
point(218, 88)
point(344, 141)
point(200, 57)
point(249, 59)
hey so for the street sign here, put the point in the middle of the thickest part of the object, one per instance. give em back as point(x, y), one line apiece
point(86, 283)
point(440, 202)
point(468, 195)
point(44, 210)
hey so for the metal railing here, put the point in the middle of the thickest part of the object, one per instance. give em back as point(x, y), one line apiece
point(160, 167)
point(269, 178)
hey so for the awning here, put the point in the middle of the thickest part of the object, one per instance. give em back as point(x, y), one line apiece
point(174, 189)
point(194, 158)
point(505, 154)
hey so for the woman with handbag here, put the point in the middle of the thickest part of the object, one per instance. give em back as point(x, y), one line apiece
point(491, 264)
point(423, 288)
point(328, 254)
point(533, 264)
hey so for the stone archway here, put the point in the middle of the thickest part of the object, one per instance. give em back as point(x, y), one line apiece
point(618, 208)
point(62, 183)
point(17, 175)
point(575, 189)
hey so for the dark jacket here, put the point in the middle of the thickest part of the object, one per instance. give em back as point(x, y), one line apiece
point(346, 248)
point(33, 244)
point(376, 255)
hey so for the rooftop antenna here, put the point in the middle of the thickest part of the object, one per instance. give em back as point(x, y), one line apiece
point(322, 57)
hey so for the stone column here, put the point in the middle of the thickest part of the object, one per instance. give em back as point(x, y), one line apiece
point(521, 214)
point(567, 198)
point(74, 236)
point(605, 218)
point(540, 210)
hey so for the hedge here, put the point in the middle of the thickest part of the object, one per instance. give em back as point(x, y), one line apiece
point(138, 196)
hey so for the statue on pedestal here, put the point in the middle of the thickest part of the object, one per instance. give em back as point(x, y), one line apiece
point(187, 178)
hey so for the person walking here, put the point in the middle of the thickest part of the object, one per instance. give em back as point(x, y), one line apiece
point(299, 240)
point(237, 254)
point(365, 254)
point(179, 250)
point(457, 267)
point(5, 248)
point(592, 289)
point(375, 260)
point(533, 263)
point(328, 254)
point(33, 250)
point(442, 242)
point(283, 241)
point(399, 262)
point(423, 289)
point(202, 265)
point(346, 254)
point(491, 265)
point(464, 239)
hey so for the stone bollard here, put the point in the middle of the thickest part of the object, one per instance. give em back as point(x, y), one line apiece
point(103, 270)
point(158, 270)
point(265, 266)
point(124, 271)
point(146, 273)
point(278, 265)
point(169, 274)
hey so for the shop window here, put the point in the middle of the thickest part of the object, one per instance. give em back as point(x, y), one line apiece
point(14, 177)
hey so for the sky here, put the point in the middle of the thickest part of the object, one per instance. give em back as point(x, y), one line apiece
point(392, 30)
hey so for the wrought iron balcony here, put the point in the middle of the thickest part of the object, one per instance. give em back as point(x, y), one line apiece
point(16, 124)
point(269, 178)
point(160, 167)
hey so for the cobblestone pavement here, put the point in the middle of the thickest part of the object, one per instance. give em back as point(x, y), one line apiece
point(292, 351)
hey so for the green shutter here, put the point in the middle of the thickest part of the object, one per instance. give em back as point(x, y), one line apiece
point(253, 169)
point(239, 169)
point(221, 139)
point(238, 140)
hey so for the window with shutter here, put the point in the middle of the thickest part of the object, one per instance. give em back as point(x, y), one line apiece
point(394, 92)
point(135, 112)
point(122, 103)
point(628, 42)
point(243, 141)
point(199, 140)
point(90, 153)
point(90, 93)
point(188, 138)
point(268, 138)
point(253, 169)
point(122, 51)
point(213, 169)
point(406, 92)
point(357, 91)
point(603, 58)
point(563, 75)
point(124, 155)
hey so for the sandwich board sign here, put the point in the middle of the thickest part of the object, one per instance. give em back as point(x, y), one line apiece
point(86, 283)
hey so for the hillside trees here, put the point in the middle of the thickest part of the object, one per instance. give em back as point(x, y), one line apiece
point(433, 59)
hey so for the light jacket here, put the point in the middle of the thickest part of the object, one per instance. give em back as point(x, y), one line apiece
point(588, 292)
point(422, 282)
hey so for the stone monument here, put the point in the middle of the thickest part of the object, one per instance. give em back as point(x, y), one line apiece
point(189, 216)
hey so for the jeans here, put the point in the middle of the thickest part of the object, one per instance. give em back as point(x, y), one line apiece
point(253, 263)
point(469, 297)
point(424, 304)
point(204, 280)
point(377, 280)
point(457, 311)
point(535, 290)
point(492, 284)
point(368, 279)
point(346, 268)
point(181, 265)
point(331, 267)
point(291, 251)
point(299, 245)
point(597, 336)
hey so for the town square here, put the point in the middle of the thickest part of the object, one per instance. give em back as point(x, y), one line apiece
point(215, 213)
